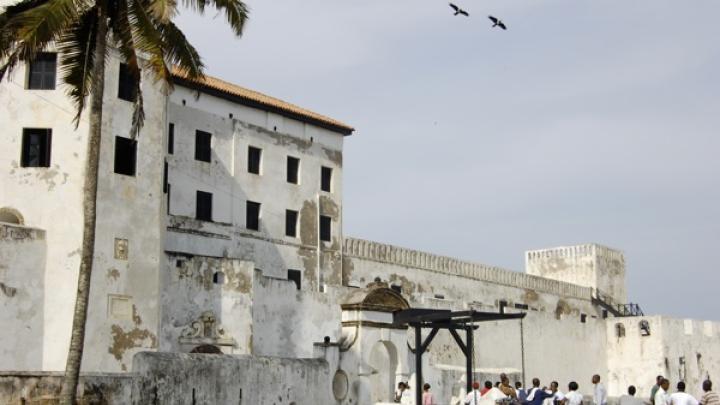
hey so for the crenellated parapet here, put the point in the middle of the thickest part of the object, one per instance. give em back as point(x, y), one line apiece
point(383, 253)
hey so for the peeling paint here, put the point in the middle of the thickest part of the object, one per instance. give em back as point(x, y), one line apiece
point(113, 274)
point(7, 290)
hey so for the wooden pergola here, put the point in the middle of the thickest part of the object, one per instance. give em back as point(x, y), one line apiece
point(453, 321)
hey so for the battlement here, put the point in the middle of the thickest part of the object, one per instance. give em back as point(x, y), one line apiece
point(586, 250)
point(383, 253)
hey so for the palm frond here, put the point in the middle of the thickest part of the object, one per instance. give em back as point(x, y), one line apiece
point(162, 10)
point(236, 12)
point(77, 48)
point(38, 26)
point(148, 39)
point(180, 52)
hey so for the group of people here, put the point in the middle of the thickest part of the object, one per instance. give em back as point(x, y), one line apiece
point(504, 393)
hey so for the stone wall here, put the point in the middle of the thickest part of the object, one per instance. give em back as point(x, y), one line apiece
point(44, 388)
point(22, 290)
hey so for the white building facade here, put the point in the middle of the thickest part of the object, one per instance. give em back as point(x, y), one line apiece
point(220, 230)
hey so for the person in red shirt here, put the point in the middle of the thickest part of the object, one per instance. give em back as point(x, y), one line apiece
point(488, 387)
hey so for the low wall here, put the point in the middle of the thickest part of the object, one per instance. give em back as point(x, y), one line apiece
point(175, 378)
point(44, 388)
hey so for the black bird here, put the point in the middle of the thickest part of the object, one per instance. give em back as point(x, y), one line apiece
point(458, 10)
point(497, 23)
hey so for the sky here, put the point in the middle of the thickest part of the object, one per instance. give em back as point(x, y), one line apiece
point(584, 122)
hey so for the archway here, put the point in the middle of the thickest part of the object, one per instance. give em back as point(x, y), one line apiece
point(383, 359)
point(11, 216)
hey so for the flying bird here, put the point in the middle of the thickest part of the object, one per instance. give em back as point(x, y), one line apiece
point(458, 10)
point(497, 23)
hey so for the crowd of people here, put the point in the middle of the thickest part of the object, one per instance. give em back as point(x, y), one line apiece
point(503, 393)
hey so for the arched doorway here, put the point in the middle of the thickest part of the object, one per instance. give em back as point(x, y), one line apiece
point(384, 361)
point(11, 216)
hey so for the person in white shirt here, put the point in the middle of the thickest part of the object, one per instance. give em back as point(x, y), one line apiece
point(661, 396)
point(557, 396)
point(681, 398)
point(494, 394)
point(630, 399)
point(473, 397)
point(573, 397)
point(599, 393)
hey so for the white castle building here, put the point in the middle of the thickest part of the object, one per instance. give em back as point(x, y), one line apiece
point(219, 229)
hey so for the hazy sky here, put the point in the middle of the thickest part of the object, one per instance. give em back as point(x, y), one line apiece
point(587, 121)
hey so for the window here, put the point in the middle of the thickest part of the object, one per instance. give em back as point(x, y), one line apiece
point(252, 215)
point(619, 330)
point(127, 89)
point(165, 178)
point(125, 155)
point(202, 146)
point(644, 328)
point(36, 145)
point(203, 206)
point(325, 228)
point(254, 159)
point(167, 208)
point(296, 276)
point(325, 179)
point(171, 139)
point(41, 72)
point(293, 168)
point(291, 218)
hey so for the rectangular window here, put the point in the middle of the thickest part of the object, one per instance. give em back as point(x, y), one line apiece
point(125, 155)
point(169, 189)
point(203, 149)
point(291, 218)
point(41, 72)
point(165, 178)
point(296, 276)
point(252, 216)
point(293, 169)
point(36, 145)
point(203, 206)
point(126, 84)
point(171, 139)
point(326, 179)
point(254, 159)
point(325, 228)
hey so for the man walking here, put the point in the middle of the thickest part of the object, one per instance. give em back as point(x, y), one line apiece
point(630, 399)
point(599, 393)
point(536, 396)
point(573, 397)
point(661, 396)
point(682, 398)
point(709, 397)
point(655, 388)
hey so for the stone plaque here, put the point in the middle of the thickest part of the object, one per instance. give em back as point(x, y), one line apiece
point(121, 249)
point(119, 306)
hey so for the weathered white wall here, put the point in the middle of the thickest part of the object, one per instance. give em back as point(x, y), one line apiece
point(22, 265)
point(637, 360)
point(128, 208)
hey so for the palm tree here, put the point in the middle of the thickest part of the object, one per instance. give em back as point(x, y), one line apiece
point(81, 31)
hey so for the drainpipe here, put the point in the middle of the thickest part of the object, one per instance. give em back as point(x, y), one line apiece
point(317, 266)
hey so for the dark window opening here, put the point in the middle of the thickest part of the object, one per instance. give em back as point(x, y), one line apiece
point(291, 218)
point(254, 159)
point(396, 288)
point(219, 277)
point(293, 168)
point(296, 276)
point(127, 89)
point(165, 178)
point(203, 150)
point(36, 145)
point(205, 349)
point(171, 139)
point(326, 179)
point(583, 318)
point(125, 155)
point(644, 328)
point(203, 206)
point(619, 330)
point(252, 216)
point(325, 228)
point(41, 71)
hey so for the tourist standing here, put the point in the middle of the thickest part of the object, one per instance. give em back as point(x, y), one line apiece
point(399, 392)
point(536, 396)
point(655, 388)
point(573, 397)
point(506, 388)
point(520, 392)
point(661, 396)
point(709, 397)
point(557, 395)
point(681, 397)
point(473, 397)
point(427, 397)
point(599, 393)
point(630, 398)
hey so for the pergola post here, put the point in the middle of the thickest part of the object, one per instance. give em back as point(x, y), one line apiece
point(418, 365)
point(469, 357)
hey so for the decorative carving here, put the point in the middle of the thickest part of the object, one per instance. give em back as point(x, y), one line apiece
point(377, 297)
point(205, 330)
point(121, 249)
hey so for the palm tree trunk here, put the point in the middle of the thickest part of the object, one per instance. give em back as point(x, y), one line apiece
point(75, 353)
